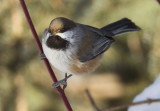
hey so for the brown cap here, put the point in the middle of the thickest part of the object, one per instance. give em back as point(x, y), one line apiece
point(61, 24)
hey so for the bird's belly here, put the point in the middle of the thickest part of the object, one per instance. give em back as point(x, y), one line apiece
point(67, 63)
point(73, 66)
point(59, 62)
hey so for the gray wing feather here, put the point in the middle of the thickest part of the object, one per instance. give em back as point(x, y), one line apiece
point(100, 44)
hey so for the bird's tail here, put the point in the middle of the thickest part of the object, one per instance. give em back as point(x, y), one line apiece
point(122, 26)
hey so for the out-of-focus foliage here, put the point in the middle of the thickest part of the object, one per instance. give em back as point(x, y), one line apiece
point(128, 66)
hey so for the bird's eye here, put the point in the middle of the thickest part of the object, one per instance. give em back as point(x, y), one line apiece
point(55, 36)
point(63, 30)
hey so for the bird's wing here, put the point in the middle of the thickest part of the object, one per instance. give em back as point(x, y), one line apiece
point(98, 45)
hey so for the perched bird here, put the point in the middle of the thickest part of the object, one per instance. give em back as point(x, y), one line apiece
point(76, 48)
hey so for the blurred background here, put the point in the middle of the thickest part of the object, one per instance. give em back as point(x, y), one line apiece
point(131, 64)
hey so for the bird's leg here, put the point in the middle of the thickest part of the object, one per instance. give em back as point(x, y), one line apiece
point(62, 82)
point(42, 56)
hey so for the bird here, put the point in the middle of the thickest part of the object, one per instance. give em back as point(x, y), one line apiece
point(77, 48)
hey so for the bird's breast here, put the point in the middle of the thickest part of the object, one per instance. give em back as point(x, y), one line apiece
point(67, 61)
point(60, 59)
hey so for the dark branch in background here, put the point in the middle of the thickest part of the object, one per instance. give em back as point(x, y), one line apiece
point(158, 1)
point(59, 89)
point(117, 108)
point(92, 100)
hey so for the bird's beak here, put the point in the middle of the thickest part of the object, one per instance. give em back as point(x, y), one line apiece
point(46, 33)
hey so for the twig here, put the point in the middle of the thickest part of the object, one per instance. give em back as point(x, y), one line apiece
point(158, 1)
point(59, 89)
point(116, 108)
point(92, 101)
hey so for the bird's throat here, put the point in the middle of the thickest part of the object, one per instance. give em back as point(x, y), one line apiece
point(56, 42)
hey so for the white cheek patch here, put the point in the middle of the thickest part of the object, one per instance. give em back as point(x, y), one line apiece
point(66, 35)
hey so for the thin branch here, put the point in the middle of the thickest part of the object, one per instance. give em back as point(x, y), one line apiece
point(92, 100)
point(116, 108)
point(158, 1)
point(59, 89)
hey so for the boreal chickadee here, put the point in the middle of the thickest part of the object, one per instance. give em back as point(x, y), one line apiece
point(77, 48)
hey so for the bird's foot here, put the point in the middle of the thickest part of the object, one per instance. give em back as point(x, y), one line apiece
point(62, 82)
point(42, 56)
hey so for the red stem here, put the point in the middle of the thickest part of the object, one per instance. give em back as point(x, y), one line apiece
point(59, 89)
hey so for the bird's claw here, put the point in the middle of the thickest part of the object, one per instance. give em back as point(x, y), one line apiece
point(62, 82)
point(42, 56)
